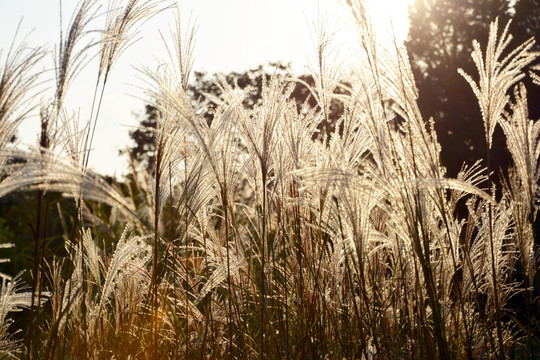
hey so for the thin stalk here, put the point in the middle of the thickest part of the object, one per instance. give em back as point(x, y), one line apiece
point(88, 142)
point(44, 144)
point(187, 242)
point(226, 220)
point(263, 264)
point(285, 303)
point(154, 299)
point(208, 307)
point(35, 277)
point(493, 268)
point(351, 284)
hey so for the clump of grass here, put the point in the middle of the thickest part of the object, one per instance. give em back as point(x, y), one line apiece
point(256, 236)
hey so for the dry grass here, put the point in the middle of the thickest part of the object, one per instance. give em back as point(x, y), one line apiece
point(258, 237)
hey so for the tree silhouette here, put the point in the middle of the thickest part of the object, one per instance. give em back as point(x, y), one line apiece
point(526, 24)
point(527, 20)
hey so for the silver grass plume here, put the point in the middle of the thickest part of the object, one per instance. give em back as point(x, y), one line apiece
point(181, 54)
point(535, 77)
point(16, 82)
point(325, 74)
point(492, 238)
point(48, 172)
point(220, 274)
point(497, 74)
point(129, 259)
point(171, 139)
point(70, 60)
point(523, 142)
point(123, 18)
point(13, 299)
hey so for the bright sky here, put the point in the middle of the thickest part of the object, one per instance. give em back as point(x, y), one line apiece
point(232, 35)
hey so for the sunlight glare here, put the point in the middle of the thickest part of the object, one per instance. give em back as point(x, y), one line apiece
point(391, 15)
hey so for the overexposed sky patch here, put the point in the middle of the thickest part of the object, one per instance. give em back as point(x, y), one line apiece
point(232, 35)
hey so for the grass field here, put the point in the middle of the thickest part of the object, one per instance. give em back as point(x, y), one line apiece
point(258, 236)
